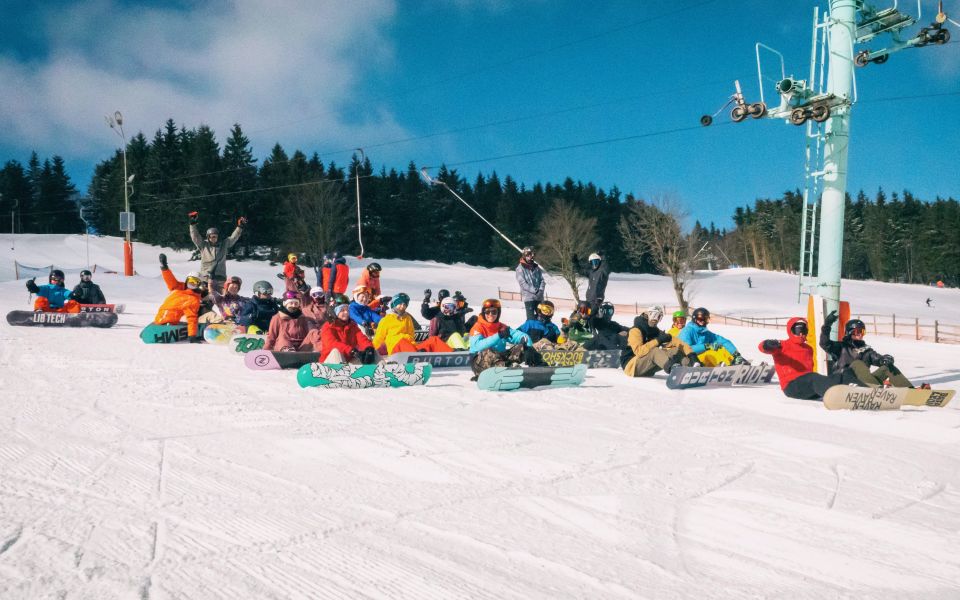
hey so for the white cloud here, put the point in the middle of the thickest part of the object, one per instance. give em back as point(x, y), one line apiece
point(287, 71)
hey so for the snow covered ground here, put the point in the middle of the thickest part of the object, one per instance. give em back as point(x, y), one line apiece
point(129, 470)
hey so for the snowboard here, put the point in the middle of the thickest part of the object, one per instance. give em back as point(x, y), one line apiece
point(115, 308)
point(383, 374)
point(242, 343)
point(420, 335)
point(504, 379)
point(681, 378)
point(439, 360)
point(879, 398)
point(268, 360)
point(29, 318)
point(167, 334)
point(595, 359)
point(221, 333)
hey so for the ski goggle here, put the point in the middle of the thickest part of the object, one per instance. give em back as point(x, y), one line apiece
point(584, 310)
point(448, 309)
point(263, 293)
point(56, 278)
point(545, 310)
point(799, 328)
point(192, 282)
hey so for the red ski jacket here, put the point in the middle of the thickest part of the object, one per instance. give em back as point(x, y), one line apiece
point(344, 336)
point(794, 357)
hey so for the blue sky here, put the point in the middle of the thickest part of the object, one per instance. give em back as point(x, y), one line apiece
point(332, 76)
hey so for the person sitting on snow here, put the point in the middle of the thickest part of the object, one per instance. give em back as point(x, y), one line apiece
point(544, 333)
point(370, 278)
point(793, 360)
point(852, 353)
point(489, 338)
point(580, 323)
point(712, 349)
point(607, 333)
point(679, 322)
point(315, 307)
point(343, 342)
point(53, 296)
point(448, 324)
point(290, 330)
point(396, 331)
point(649, 349)
point(361, 312)
point(183, 301)
point(227, 302)
point(257, 313)
point(87, 292)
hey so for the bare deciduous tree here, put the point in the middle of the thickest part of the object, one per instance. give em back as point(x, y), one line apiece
point(654, 230)
point(563, 233)
point(319, 219)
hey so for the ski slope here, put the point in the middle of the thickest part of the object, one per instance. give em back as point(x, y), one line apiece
point(136, 471)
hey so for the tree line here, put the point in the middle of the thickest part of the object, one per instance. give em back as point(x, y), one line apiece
point(299, 203)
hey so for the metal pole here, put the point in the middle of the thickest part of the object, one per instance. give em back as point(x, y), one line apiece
point(840, 83)
point(357, 173)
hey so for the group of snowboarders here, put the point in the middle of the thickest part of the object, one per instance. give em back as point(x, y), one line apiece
point(369, 324)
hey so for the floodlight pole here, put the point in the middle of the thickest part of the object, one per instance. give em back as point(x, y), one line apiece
point(357, 174)
point(843, 14)
point(116, 122)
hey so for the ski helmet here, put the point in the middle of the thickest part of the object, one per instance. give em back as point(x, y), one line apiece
point(594, 257)
point(360, 289)
point(192, 280)
point(799, 327)
point(545, 308)
point(86, 274)
point(339, 299)
point(213, 231)
point(262, 287)
point(681, 316)
point(399, 299)
point(654, 313)
point(605, 312)
point(852, 326)
point(317, 293)
point(448, 306)
point(492, 306)
point(583, 307)
point(528, 252)
point(292, 257)
point(701, 314)
point(374, 269)
point(443, 294)
point(56, 275)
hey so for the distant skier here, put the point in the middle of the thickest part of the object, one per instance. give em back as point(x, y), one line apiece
point(213, 250)
point(257, 313)
point(293, 276)
point(749, 283)
point(532, 285)
point(183, 301)
point(87, 292)
point(793, 360)
point(649, 349)
point(852, 353)
point(711, 349)
point(53, 296)
point(928, 303)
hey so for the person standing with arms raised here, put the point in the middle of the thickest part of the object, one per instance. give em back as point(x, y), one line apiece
point(213, 250)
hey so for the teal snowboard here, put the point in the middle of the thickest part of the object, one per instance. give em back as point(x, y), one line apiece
point(167, 334)
point(355, 377)
point(505, 379)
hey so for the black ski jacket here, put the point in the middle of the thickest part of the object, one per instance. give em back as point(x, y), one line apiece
point(841, 354)
point(258, 312)
point(87, 292)
point(446, 325)
point(607, 335)
point(597, 282)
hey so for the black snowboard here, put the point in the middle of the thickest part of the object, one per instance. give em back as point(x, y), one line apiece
point(29, 318)
point(681, 378)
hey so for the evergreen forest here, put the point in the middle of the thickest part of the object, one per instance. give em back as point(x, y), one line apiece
point(298, 203)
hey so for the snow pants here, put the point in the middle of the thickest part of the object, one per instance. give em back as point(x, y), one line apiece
point(657, 359)
point(456, 342)
point(170, 316)
point(713, 358)
point(545, 345)
point(485, 359)
point(812, 386)
point(431, 344)
point(43, 304)
point(876, 377)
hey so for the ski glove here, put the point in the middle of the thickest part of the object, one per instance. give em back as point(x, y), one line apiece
point(194, 217)
point(739, 360)
point(831, 319)
point(426, 295)
point(664, 338)
point(504, 333)
point(163, 262)
point(242, 222)
point(368, 356)
point(886, 360)
point(694, 359)
point(771, 345)
point(32, 286)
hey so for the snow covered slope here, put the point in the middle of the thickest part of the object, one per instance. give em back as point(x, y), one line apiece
point(129, 470)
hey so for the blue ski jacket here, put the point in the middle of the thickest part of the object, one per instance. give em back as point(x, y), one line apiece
point(478, 343)
point(56, 294)
point(537, 329)
point(701, 339)
point(363, 314)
